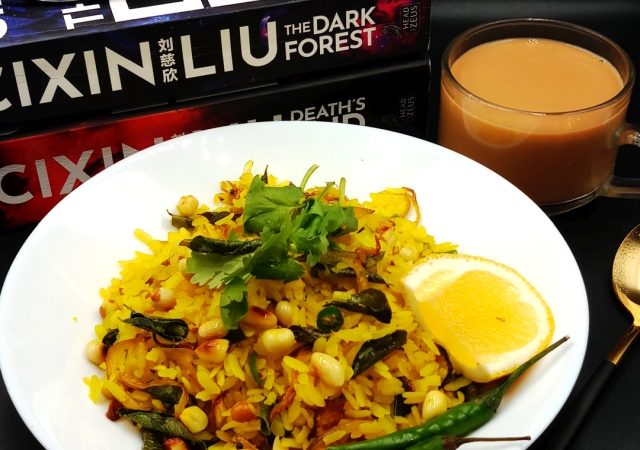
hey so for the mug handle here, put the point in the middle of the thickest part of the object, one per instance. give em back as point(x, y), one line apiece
point(624, 187)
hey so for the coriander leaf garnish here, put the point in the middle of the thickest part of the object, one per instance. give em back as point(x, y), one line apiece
point(272, 260)
point(233, 303)
point(215, 270)
point(316, 223)
point(269, 206)
point(290, 227)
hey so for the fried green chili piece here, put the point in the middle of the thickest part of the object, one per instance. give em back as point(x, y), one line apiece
point(173, 330)
point(329, 319)
point(453, 442)
point(236, 335)
point(400, 407)
point(375, 350)
point(202, 244)
point(159, 423)
point(456, 421)
point(371, 302)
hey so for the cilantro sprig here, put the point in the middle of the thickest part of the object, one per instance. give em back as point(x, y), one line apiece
point(290, 228)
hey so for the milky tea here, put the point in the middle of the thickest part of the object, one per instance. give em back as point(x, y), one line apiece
point(538, 111)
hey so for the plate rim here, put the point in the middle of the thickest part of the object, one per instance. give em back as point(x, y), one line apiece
point(167, 146)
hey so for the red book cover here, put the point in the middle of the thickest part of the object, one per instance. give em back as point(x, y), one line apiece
point(38, 168)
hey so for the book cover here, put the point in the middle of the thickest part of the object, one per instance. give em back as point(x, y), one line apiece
point(38, 168)
point(63, 60)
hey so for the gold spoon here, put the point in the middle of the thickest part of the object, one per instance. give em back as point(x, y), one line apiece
point(626, 285)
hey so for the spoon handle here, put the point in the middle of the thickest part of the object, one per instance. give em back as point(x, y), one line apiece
point(576, 409)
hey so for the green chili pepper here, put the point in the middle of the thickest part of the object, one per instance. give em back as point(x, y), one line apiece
point(329, 319)
point(453, 442)
point(456, 421)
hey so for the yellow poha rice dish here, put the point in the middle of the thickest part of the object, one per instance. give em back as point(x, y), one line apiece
point(272, 316)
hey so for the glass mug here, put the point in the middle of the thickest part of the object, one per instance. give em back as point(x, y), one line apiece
point(561, 160)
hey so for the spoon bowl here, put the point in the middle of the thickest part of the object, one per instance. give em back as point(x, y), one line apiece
point(626, 274)
point(625, 277)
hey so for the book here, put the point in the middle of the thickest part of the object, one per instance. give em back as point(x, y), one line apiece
point(66, 60)
point(40, 167)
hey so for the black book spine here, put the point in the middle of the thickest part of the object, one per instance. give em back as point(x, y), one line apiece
point(218, 50)
point(39, 168)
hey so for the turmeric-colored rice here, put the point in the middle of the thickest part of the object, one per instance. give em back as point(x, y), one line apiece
point(310, 413)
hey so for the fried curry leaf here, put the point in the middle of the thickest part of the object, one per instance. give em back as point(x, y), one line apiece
point(375, 350)
point(110, 338)
point(233, 303)
point(202, 244)
point(371, 302)
point(306, 335)
point(348, 272)
point(174, 330)
point(168, 393)
point(151, 440)
point(163, 424)
point(215, 270)
point(268, 207)
point(212, 217)
point(338, 263)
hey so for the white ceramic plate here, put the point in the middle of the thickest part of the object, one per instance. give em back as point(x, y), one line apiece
point(49, 302)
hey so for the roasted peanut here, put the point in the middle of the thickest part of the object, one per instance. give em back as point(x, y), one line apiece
point(211, 329)
point(260, 318)
point(435, 403)
point(276, 342)
point(213, 351)
point(164, 298)
point(243, 411)
point(328, 369)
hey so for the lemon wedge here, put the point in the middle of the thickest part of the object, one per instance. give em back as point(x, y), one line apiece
point(486, 315)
